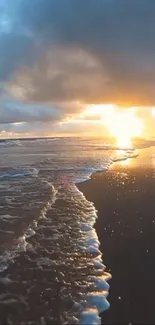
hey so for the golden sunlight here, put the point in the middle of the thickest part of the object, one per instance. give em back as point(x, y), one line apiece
point(126, 162)
point(122, 124)
point(153, 112)
point(124, 141)
point(99, 110)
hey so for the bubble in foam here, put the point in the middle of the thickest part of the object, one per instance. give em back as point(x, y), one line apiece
point(86, 227)
point(98, 300)
point(90, 316)
point(107, 276)
point(29, 233)
point(98, 264)
point(34, 172)
point(93, 250)
point(22, 243)
point(101, 284)
point(93, 242)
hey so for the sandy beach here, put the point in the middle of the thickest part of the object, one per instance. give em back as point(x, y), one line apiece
point(124, 198)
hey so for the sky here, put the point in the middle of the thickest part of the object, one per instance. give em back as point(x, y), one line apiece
point(60, 57)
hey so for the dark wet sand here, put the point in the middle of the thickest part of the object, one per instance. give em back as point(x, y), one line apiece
point(125, 199)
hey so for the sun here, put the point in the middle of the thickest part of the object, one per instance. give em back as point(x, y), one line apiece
point(123, 124)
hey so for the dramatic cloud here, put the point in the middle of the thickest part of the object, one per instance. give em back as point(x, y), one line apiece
point(55, 51)
point(16, 111)
point(118, 36)
point(11, 112)
point(62, 74)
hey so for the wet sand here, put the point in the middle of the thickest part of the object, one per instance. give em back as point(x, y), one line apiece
point(125, 199)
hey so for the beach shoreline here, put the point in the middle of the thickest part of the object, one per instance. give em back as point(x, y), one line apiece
point(126, 231)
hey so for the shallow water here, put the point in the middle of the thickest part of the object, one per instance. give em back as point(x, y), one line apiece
point(51, 267)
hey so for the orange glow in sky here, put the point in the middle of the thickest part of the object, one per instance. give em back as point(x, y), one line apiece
point(122, 124)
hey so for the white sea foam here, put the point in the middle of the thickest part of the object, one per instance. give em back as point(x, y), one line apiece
point(98, 300)
point(29, 233)
point(93, 242)
point(22, 243)
point(127, 155)
point(98, 264)
point(5, 259)
point(90, 316)
point(86, 227)
point(101, 284)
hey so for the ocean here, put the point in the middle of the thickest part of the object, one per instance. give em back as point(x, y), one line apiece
point(51, 268)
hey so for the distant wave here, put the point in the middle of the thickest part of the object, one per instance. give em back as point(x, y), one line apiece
point(137, 144)
point(41, 140)
point(19, 173)
point(10, 143)
point(111, 148)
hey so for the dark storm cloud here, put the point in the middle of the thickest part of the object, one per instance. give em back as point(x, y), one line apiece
point(112, 25)
point(115, 39)
point(17, 45)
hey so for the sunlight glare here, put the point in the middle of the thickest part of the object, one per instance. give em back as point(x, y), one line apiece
point(153, 112)
point(99, 110)
point(121, 123)
point(124, 126)
point(125, 162)
point(124, 141)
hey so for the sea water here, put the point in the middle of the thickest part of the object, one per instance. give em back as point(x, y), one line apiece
point(51, 266)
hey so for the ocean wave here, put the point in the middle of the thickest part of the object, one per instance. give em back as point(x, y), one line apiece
point(19, 173)
point(113, 148)
point(10, 143)
point(27, 207)
point(125, 157)
point(56, 253)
